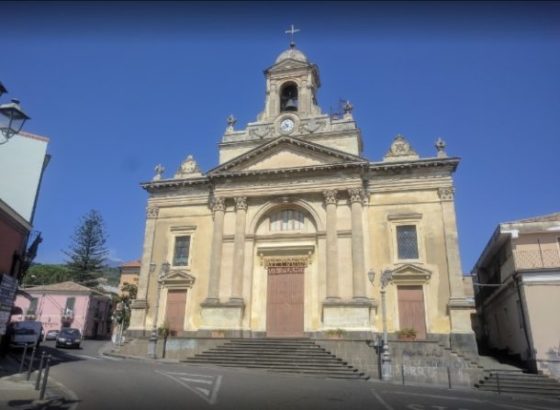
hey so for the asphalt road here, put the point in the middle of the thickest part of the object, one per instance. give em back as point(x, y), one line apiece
point(104, 382)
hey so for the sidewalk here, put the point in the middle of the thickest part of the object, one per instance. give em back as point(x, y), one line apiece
point(18, 393)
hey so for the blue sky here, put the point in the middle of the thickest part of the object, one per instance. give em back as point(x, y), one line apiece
point(120, 87)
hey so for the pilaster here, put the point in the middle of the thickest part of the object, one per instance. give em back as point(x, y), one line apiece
point(140, 305)
point(332, 245)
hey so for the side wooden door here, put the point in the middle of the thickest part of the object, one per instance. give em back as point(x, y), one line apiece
point(411, 309)
point(175, 311)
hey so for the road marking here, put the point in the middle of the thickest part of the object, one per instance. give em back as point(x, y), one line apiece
point(380, 400)
point(192, 382)
point(115, 359)
point(527, 407)
point(437, 396)
point(85, 356)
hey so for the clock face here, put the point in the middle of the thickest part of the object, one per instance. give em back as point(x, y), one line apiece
point(287, 126)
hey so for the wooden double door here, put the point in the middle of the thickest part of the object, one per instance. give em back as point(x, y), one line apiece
point(285, 297)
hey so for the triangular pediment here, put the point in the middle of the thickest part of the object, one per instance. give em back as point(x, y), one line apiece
point(288, 64)
point(411, 274)
point(178, 278)
point(284, 153)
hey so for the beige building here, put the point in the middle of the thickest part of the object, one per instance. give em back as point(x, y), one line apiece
point(518, 292)
point(130, 273)
point(278, 239)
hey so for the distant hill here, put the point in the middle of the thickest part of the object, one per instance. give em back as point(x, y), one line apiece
point(112, 275)
point(45, 274)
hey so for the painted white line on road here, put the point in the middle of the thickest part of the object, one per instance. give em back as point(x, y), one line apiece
point(85, 356)
point(188, 380)
point(115, 359)
point(436, 396)
point(527, 407)
point(196, 380)
point(380, 400)
point(208, 376)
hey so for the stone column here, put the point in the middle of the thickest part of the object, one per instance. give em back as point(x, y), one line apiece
point(238, 250)
point(332, 245)
point(140, 304)
point(358, 262)
point(218, 208)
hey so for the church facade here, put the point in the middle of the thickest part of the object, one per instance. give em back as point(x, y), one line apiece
point(278, 239)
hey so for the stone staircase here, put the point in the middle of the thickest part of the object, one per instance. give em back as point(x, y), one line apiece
point(519, 382)
point(301, 356)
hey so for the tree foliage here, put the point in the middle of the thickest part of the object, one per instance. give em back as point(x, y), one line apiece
point(87, 252)
point(43, 274)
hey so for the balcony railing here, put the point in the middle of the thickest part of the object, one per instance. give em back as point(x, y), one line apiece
point(67, 314)
point(534, 259)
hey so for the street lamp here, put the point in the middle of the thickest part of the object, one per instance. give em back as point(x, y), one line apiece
point(386, 277)
point(152, 345)
point(12, 118)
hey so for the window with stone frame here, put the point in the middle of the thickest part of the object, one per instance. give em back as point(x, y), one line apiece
point(407, 242)
point(70, 303)
point(287, 220)
point(32, 309)
point(181, 251)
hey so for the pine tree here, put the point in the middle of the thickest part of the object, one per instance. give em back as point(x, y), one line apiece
point(87, 251)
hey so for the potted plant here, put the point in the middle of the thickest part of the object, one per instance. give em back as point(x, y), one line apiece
point(407, 333)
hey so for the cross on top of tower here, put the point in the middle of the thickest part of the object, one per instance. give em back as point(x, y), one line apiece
point(291, 32)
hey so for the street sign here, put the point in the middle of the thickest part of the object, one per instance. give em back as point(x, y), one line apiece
point(8, 288)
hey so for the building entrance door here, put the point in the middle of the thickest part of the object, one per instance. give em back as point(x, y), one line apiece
point(284, 315)
point(411, 309)
point(175, 311)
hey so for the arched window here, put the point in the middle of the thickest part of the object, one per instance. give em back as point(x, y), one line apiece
point(287, 220)
point(289, 97)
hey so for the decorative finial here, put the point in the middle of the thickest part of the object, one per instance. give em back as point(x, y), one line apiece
point(291, 32)
point(440, 146)
point(231, 121)
point(159, 172)
point(347, 107)
point(188, 169)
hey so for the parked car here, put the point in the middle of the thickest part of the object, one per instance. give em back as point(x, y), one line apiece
point(26, 332)
point(52, 334)
point(69, 337)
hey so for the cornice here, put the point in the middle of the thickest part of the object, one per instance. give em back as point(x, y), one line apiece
point(374, 168)
point(391, 167)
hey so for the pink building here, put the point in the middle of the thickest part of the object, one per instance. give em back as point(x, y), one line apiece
point(67, 304)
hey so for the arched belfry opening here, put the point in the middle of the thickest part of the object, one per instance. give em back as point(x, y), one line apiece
point(289, 97)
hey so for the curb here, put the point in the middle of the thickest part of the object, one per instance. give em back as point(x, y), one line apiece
point(139, 358)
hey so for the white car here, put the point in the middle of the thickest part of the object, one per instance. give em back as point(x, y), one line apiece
point(27, 332)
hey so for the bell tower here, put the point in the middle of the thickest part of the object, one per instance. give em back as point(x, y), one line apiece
point(291, 86)
point(291, 109)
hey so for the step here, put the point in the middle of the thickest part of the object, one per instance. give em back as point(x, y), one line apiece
point(326, 360)
point(268, 350)
point(269, 363)
point(270, 346)
point(520, 386)
point(302, 356)
point(266, 354)
point(332, 375)
point(289, 368)
point(521, 382)
point(518, 391)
